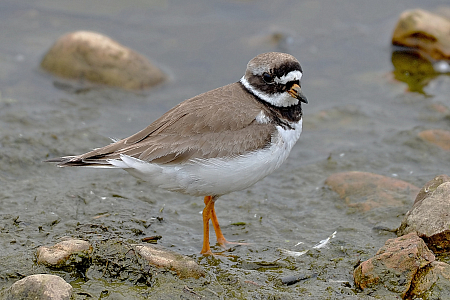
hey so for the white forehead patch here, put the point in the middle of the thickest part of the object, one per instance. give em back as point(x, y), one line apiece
point(291, 76)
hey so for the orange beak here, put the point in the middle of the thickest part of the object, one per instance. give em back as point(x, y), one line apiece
point(296, 92)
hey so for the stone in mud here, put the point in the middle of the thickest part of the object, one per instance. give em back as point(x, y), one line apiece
point(366, 191)
point(160, 257)
point(430, 215)
point(92, 57)
point(432, 282)
point(40, 286)
point(424, 31)
point(438, 137)
point(59, 254)
point(395, 265)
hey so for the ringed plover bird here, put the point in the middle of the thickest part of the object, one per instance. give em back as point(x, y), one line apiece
point(218, 142)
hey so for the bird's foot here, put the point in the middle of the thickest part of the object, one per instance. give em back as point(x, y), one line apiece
point(226, 245)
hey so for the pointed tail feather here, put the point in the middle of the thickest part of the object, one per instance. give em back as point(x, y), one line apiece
point(76, 161)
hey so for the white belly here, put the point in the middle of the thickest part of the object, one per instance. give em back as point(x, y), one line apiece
point(217, 176)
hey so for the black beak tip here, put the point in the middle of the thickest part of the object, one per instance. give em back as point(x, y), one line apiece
point(303, 99)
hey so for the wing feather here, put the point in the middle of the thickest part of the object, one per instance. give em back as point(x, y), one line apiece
point(217, 123)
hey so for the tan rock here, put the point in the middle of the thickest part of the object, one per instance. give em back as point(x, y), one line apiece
point(92, 57)
point(425, 31)
point(40, 286)
point(394, 265)
point(58, 254)
point(160, 257)
point(430, 217)
point(366, 191)
point(439, 137)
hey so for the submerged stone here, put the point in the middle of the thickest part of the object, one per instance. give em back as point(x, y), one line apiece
point(412, 69)
point(366, 191)
point(438, 137)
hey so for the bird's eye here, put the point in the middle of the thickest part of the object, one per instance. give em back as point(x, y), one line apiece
point(267, 78)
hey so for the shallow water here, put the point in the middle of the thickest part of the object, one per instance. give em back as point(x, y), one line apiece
point(359, 117)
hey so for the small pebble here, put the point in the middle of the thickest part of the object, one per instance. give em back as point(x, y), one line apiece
point(290, 280)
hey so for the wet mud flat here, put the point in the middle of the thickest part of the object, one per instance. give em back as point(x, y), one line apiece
point(306, 229)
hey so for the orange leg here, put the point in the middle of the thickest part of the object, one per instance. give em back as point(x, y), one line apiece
point(206, 217)
point(209, 213)
point(220, 238)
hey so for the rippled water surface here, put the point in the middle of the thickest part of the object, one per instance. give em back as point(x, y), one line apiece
point(359, 118)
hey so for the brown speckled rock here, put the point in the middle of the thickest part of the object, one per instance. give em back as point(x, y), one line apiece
point(430, 215)
point(92, 57)
point(438, 137)
point(40, 286)
point(425, 31)
point(366, 191)
point(58, 254)
point(160, 257)
point(432, 282)
point(394, 265)
point(431, 186)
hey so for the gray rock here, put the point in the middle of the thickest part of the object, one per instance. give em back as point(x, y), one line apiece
point(430, 216)
point(429, 187)
point(39, 286)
